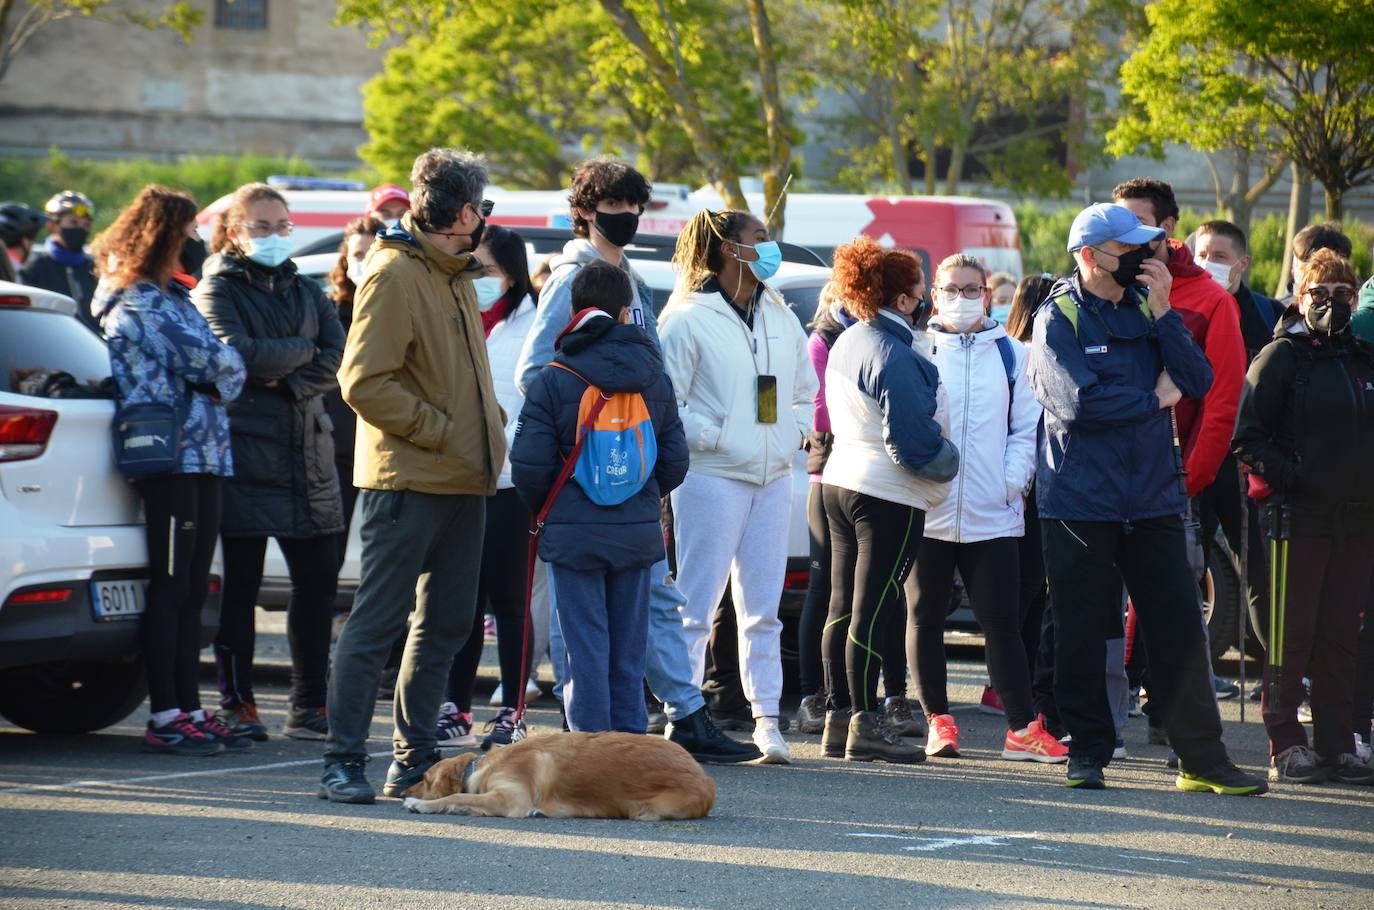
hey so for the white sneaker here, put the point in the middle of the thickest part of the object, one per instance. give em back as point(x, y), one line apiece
point(1362, 749)
point(532, 691)
point(768, 739)
point(496, 697)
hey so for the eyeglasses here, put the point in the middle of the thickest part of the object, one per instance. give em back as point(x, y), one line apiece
point(1342, 294)
point(263, 229)
point(968, 291)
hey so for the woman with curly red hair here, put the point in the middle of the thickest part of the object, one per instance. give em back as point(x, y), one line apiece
point(890, 462)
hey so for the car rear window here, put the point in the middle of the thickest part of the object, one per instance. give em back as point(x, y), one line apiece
point(803, 299)
point(46, 340)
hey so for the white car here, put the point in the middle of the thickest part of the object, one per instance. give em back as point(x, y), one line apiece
point(800, 285)
point(73, 561)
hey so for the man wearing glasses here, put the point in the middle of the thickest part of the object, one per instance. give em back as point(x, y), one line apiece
point(1109, 358)
point(62, 265)
point(431, 442)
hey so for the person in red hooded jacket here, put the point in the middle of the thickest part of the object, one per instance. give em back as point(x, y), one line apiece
point(1211, 314)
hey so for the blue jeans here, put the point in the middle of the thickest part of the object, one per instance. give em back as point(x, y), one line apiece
point(667, 666)
point(604, 616)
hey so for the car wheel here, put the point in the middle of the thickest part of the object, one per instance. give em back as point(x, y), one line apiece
point(71, 696)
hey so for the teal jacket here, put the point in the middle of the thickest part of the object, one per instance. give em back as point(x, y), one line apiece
point(1362, 323)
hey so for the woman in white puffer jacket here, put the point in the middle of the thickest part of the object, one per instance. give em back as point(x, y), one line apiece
point(976, 530)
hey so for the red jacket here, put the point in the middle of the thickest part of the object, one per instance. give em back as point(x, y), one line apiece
point(1209, 311)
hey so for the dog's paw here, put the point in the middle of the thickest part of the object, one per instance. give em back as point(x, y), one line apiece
point(411, 804)
point(535, 813)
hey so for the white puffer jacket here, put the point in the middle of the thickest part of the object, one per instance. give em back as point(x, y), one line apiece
point(986, 500)
point(714, 359)
point(504, 344)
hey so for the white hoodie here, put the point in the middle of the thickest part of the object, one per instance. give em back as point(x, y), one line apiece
point(995, 467)
point(504, 344)
point(714, 359)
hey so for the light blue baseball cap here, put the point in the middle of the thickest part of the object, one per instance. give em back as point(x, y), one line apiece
point(1106, 221)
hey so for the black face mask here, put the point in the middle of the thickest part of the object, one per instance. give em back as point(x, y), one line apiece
point(618, 229)
point(1128, 266)
point(73, 239)
point(1328, 317)
point(477, 234)
point(192, 255)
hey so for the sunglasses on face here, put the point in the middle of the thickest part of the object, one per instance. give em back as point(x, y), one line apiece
point(1342, 294)
point(485, 207)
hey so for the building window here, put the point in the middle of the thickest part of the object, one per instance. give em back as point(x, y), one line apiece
point(241, 14)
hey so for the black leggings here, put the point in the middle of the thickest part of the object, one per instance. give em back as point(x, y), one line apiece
point(313, 563)
point(817, 604)
point(873, 543)
point(501, 592)
point(990, 569)
point(182, 515)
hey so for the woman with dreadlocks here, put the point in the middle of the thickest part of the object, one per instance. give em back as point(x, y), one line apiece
point(744, 385)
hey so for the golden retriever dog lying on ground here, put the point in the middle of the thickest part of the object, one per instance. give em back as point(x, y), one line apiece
point(570, 775)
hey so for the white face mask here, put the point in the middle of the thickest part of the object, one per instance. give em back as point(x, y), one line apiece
point(355, 272)
point(1220, 272)
point(961, 314)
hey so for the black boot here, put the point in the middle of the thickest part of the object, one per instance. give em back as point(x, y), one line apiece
point(697, 734)
point(835, 732)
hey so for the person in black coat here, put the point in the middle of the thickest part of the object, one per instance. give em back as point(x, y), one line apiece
point(598, 556)
point(285, 483)
point(1304, 430)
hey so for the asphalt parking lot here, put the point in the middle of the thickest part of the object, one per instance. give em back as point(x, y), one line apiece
point(91, 822)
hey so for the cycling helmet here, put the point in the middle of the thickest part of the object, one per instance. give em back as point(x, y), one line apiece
point(19, 222)
point(70, 202)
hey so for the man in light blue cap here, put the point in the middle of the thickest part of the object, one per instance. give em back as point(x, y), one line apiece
point(1108, 360)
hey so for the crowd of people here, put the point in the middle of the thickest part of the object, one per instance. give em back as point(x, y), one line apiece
point(1062, 448)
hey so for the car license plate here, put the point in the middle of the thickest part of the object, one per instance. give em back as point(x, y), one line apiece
point(125, 598)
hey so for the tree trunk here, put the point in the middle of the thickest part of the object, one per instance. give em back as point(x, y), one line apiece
point(901, 155)
point(955, 171)
point(1299, 212)
point(775, 114)
point(930, 168)
point(1335, 204)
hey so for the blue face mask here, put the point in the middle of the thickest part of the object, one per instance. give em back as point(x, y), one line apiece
point(488, 292)
point(270, 251)
point(770, 257)
point(1000, 313)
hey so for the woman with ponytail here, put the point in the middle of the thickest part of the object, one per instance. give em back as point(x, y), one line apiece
point(744, 384)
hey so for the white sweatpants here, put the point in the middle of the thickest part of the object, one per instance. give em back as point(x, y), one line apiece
point(734, 532)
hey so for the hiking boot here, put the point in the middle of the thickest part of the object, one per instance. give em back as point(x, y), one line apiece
point(1085, 774)
point(1225, 779)
point(943, 741)
point(872, 738)
point(1034, 744)
point(835, 733)
point(1296, 765)
point(243, 719)
point(179, 736)
point(991, 703)
point(306, 723)
point(903, 718)
point(768, 740)
point(400, 778)
point(454, 729)
point(811, 715)
point(216, 729)
point(504, 730)
point(1347, 768)
point(346, 782)
point(698, 734)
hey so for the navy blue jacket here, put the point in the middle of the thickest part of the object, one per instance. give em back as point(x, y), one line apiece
point(1107, 450)
point(579, 533)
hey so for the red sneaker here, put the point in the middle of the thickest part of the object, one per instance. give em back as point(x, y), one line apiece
point(991, 703)
point(1034, 744)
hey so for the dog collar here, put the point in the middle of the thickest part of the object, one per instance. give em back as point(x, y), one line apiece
point(471, 770)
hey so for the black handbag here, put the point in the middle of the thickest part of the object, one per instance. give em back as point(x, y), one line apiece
point(147, 439)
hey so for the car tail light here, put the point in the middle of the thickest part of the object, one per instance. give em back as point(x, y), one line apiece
point(24, 432)
point(14, 300)
point(43, 596)
point(215, 586)
point(796, 581)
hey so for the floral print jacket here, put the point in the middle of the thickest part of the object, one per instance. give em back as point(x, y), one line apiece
point(162, 350)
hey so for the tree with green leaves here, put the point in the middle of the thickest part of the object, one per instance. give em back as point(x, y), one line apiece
point(21, 20)
point(1292, 82)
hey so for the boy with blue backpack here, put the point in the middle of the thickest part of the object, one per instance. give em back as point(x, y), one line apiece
point(604, 404)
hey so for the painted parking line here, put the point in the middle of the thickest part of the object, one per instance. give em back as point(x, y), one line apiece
point(180, 775)
point(943, 843)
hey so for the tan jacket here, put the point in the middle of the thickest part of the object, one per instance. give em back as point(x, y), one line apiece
point(415, 370)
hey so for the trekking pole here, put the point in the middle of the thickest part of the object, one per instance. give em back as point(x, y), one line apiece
point(1243, 608)
point(1278, 601)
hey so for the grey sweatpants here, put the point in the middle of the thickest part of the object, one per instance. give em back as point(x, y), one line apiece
point(420, 544)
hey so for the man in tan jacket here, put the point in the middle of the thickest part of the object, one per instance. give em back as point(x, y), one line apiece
point(430, 444)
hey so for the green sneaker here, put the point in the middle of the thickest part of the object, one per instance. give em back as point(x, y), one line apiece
point(1226, 779)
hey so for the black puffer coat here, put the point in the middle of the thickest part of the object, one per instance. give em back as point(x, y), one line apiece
point(288, 333)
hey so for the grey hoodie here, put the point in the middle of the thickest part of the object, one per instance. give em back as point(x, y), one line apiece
point(555, 309)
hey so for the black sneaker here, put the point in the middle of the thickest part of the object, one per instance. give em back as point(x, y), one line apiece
point(1347, 768)
point(698, 734)
point(740, 720)
point(1085, 774)
point(1225, 779)
point(216, 729)
point(179, 736)
point(346, 782)
point(399, 778)
point(503, 731)
point(306, 723)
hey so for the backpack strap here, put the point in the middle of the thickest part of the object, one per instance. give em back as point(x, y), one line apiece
point(1069, 307)
point(1009, 364)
